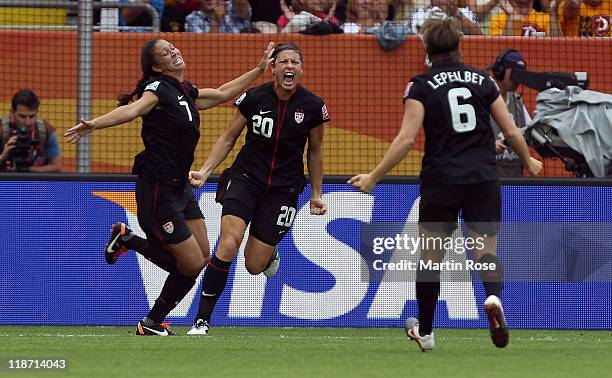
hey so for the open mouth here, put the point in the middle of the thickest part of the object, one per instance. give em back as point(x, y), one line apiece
point(288, 78)
point(178, 61)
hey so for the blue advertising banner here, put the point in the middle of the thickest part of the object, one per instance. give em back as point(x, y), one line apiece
point(554, 241)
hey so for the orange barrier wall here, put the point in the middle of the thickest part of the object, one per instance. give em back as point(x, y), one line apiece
point(361, 83)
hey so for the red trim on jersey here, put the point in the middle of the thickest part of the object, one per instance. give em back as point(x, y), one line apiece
point(280, 125)
point(181, 84)
point(155, 224)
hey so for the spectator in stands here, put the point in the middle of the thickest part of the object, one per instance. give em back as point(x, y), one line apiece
point(265, 14)
point(485, 10)
point(518, 18)
point(219, 16)
point(175, 12)
point(466, 17)
point(139, 16)
point(364, 16)
point(402, 10)
point(303, 13)
point(584, 18)
point(340, 12)
point(508, 162)
point(542, 5)
point(28, 143)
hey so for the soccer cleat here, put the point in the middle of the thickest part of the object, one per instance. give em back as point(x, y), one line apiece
point(426, 342)
point(497, 321)
point(115, 247)
point(273, 265)
point(147, 329)
point(200, 328)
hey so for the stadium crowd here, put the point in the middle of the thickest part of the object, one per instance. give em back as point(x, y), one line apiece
point(488, 17)
point(585, 18)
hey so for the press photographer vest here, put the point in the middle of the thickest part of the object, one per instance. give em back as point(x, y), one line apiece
point(508, 162)
point(41, 134)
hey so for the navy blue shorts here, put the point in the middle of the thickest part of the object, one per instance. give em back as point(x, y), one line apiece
point(163, 209)
point(270, 214)
point(479, 205)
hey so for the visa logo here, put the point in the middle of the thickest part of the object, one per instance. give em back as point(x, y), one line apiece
point(342, 261)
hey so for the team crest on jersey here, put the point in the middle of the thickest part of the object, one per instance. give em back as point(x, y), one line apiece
point(168, 227)
point(299, 116)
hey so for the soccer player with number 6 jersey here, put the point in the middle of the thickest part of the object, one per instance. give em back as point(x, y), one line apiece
point(453, 102)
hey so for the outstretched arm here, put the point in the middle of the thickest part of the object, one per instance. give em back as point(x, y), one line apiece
point(414, 114)
point(209, 97)
point(222, 147)
point(315, 170)
point(115, 117)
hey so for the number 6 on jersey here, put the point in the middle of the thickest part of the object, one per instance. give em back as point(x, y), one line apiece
point(457, 110)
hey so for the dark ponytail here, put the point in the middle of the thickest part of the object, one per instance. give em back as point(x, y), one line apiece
point(147, 60)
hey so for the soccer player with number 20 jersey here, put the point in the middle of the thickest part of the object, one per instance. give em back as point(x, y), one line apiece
point(262, 186)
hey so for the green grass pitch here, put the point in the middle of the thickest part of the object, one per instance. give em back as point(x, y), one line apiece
point(307, 352)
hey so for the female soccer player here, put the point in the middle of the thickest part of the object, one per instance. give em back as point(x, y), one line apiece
point(167, 210)
point(263, 184)
point(453, 102)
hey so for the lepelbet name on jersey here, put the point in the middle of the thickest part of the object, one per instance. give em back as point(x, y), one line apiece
point(455, 76)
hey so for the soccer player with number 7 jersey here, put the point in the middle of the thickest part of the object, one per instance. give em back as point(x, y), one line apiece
point(262, 186)
point(453, 102)
point(167, 210)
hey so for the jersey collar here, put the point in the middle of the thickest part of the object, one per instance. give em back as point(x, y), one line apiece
point(444, 61)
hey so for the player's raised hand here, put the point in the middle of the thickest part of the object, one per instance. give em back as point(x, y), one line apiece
point(79, 131)
point(197, 179)
point(317, 206)
point(362, 182)
point(267, 58)
point(534, 167)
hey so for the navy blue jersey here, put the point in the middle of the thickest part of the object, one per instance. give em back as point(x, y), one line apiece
point(459, 141)
point(277, 131)
point(170, 131)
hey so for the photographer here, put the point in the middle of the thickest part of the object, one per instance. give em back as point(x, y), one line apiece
point(28, 143)
point(508, 162)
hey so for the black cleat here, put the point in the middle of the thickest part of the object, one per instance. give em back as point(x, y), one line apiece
point(115, 247)
point(147, 329)
point(497, 321)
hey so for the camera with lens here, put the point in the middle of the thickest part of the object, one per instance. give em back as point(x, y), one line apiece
point(24, 153)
